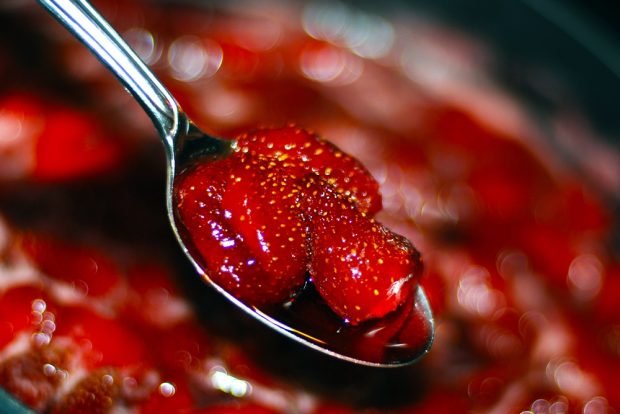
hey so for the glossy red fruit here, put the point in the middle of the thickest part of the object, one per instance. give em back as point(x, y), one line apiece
point(403, 329)
point(224, 253)
point(359, 267)
point(263, 200)
point(298, 148)
point(286, 202)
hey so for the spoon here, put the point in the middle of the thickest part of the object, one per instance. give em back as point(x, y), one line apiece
point(411, 327)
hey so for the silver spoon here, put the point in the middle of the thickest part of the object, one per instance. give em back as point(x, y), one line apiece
point(184, 142)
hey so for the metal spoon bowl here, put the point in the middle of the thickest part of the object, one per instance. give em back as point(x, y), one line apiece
point(184, 143)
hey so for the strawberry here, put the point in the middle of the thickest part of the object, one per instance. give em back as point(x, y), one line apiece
point(298, 148)
point(263, 201)
point(224, 253)
point(359, 267)
point(379, 336)
point(249, 217)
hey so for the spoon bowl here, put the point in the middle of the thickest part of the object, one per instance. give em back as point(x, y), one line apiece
point(410, 328)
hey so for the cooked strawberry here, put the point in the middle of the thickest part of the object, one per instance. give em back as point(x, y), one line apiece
point(299, 148)
point(262, 199)
point(248, 217)
point(359, 267)
point(226, 256)
point(94, 394)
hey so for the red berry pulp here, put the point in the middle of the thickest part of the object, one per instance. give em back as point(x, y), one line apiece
point(287, 207)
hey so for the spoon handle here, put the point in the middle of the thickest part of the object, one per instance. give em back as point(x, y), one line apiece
point(81, 19)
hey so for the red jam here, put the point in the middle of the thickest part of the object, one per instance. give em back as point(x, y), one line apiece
point(287, 204)
point(99, 312)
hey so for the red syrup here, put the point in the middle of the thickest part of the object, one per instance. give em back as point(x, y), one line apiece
point(398, 338)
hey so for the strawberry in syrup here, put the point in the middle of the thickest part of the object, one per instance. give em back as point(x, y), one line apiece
point(299, 148)
point(360, 268)
point(288, 204)
point(263, 201)
point(227, 257)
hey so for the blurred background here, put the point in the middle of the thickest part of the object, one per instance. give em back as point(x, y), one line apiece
point(576, 40)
